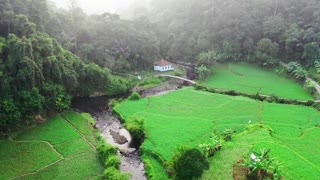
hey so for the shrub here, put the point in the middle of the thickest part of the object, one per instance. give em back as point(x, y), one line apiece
point(187, 163)
point(209, 149)
point(115, 174)
point(106, 150)
point(118, 85)
point(136, 128)
point(134, 96)
point(261, 166)
point(150, 81)
point(113, 161)
point(297, 70)
point(227, 134)
point(109, 155)
point(113, 103)
point(281, 71)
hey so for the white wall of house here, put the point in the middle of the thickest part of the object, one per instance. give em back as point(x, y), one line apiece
point(163, 68)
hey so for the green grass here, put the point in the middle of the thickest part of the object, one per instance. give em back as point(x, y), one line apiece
point(89, 118)
point(149, 82)
point(81, 123)
point(187, 117)
point(72, 147)
point(55, 131)
point(251, 79)
point(53, 150)
point(24, 157)
point(78, 121)
point(80, 166)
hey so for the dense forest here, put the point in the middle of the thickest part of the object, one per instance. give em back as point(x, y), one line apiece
point(49, 55)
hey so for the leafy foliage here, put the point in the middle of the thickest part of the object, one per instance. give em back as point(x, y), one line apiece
point(261, 166)
point(112, 173)
point(109, 156)
point(297, 70)
point(266, 53)
point(187, 163)
point(37, 73)
point(203, 72)
point(134, 96)
point(136, 127)
point(106, 150)
point(210, 148)
point(227, 134)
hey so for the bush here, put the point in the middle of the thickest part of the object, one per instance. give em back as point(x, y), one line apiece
point(113, 161)
point(209, 149)
point(227, 134)
point(115, 174)
point(118, 85)
point(261, 166)
point(134, 96)
point(150, 81)
point(136, 128)
point(297, 70)
point(106, 150)
point(187, 163)
point(113, 102)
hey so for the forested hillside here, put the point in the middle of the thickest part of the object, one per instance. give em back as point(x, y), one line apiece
point(198, 31)
point(49, 55)
point(37, 74)
point(257, 30)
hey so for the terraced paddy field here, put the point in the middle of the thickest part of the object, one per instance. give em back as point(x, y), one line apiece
point(248, 78)
point(188, 116)
point(61, 148)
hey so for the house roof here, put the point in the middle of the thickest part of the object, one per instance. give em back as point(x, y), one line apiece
point(162, 63)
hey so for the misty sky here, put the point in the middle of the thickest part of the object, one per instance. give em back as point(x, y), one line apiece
point(97, 6)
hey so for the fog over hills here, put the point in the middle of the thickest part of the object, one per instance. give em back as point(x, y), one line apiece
point(97, 6)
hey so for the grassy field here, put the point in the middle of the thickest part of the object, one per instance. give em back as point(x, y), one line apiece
point(251, 79)
point(61, 148)
point(187, 117)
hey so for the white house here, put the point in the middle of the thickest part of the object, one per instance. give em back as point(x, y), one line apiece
point(162, 66)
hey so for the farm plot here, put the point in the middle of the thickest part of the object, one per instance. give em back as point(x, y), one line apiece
point(188, 117)
point(61, 148)
point(251, 79)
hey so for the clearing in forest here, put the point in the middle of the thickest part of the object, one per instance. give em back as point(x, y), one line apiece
point(188, 116)
point(61, 148)
point(251, 79)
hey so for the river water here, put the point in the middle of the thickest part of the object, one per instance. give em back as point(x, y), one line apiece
point(114, 133)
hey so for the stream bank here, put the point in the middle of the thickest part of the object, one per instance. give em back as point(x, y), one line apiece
point(114, 133)
point(112, 130)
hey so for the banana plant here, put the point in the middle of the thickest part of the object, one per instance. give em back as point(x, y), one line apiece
point(260, 165)
point(214, 145)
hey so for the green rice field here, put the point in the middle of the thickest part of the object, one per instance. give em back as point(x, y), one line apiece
point(248, 78)
point(61, 148)
point(188, 116)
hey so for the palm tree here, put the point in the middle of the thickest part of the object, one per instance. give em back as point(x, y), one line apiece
point(202, 71)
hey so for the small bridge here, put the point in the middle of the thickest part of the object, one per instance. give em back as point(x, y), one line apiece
point(177, 77)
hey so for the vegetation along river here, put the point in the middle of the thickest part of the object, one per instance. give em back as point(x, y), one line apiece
point(113, 132)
